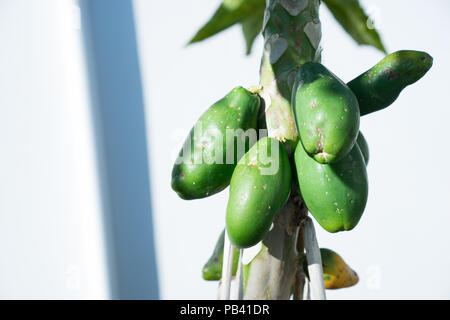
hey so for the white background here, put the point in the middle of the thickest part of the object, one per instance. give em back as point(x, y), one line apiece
point(51, 229)
point(51, 217)
point(400, 247)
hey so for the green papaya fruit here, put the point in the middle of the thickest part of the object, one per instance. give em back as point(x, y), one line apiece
point(259, 187)
point(212, 270)
point(336, 193)
point(326, 112)
point(364, 147)
point(379, 87)
point(210, 153)
point(337, 273)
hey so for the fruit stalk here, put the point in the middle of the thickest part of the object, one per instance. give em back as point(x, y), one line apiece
point(292, 34)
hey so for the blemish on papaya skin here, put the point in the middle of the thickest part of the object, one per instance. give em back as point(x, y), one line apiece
point(252, 163)
point(314, 104)
point(319, 131)
point(391, 75)
point(324, 156)
point(319, 146)
point(204, 144)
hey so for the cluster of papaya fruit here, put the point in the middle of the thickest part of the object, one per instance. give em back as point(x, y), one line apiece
point(329, 161)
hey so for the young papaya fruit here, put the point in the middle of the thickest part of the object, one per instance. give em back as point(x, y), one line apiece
point(364, 147)
point(336, 273)
point(326, 112)
point(259, 187)
point(214, 145)
point(336, 193)
point(379, 87)
point(212, 270)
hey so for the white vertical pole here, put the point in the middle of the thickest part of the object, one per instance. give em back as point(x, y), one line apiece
point(227, 266)
point(314, 261)
point(240, 278)
point(306, 290)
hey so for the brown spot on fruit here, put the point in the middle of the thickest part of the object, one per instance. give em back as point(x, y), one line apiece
point(319, 131)
point(319, 145)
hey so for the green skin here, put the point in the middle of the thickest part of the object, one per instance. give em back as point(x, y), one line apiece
point(326, 113)
point(378, 87)
point(255, 197)
point(335, 194)
point(364, 147)
point(212, 270)
point(199, 175)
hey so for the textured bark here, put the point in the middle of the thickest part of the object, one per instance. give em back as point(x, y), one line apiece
point(292, 34)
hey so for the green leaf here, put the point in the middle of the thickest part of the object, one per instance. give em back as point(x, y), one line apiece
point(251, 28)
point(353, 19)
point(229, 13)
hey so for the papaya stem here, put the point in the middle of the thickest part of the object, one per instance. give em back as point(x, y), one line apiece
point(292, 34)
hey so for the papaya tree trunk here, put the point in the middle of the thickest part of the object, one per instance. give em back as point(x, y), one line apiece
point(292, 35)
